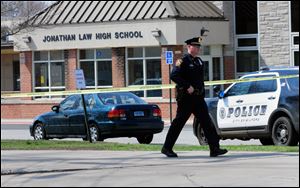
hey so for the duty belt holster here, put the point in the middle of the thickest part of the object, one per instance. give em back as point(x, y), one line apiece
point(197, 92)
point(180, 92)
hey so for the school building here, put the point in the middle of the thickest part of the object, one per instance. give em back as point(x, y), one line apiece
point(123, 43)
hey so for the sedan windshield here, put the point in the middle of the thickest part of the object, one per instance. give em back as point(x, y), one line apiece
point(120, 98)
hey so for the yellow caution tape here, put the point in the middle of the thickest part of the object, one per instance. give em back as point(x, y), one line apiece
point(136, 88)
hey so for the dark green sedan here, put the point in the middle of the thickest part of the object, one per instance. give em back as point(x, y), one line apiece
point(119, 114)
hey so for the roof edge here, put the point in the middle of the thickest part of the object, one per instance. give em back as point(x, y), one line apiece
point(172, 12)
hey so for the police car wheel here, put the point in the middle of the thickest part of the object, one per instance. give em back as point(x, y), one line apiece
point(266, 141)
point(283, 132)
point(201, 136)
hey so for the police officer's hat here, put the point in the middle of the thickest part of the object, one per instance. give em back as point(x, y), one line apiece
point(194, 41)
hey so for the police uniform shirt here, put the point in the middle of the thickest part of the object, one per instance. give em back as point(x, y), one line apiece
point(188, 72)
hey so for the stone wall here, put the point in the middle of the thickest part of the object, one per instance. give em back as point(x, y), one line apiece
point(274, 33)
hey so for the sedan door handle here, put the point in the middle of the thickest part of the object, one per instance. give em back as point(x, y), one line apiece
point(239, 101)
point(272, 98)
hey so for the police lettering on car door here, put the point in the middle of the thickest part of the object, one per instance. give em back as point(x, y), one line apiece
point(265, 109)
point(247, 105)
point(244, 113)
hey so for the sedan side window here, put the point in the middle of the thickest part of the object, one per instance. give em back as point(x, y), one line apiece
point(90, 101)
point(68, 103)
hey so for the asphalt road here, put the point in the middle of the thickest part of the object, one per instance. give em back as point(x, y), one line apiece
point(21, 131)
point(53, 168)
point(147, 168)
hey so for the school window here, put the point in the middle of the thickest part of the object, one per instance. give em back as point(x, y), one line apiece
point(97, 67)
point(246, 30)
point(49, 71)
point(295, 32)
point(143, 67)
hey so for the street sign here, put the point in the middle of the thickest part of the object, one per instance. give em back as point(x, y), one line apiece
point(169, 61)
point(80, 81)
point(169, 57)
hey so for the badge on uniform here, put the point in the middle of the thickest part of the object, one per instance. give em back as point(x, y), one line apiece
point(200, 62)
point(191, 65)
point(178, 62)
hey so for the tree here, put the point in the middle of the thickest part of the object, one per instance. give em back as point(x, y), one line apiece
point(15, 15)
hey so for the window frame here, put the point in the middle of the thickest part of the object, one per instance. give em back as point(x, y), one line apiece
point(144, 60)
point(294, 47)
point(245, 36)
point(50, 88)
point(95, 60)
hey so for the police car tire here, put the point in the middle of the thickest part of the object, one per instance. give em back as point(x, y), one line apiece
point(266, 141)
point(200, 136)
point(284, 126)
point(199, 132)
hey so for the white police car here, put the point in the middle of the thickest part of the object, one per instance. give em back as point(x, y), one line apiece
point(267, 110)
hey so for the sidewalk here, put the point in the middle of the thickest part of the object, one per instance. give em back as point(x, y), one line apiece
point(16, 121)
point(29, 121)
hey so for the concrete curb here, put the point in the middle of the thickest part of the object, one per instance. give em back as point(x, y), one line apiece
point(29, 121)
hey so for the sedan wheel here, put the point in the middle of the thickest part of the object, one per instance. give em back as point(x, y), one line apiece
point(39, 132)
point(95, 134)
point(145, 139)
point(283, 133)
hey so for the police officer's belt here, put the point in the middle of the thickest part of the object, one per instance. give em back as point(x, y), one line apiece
point(197, 92)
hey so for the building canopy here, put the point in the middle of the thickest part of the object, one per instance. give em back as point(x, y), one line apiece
point(101, 24)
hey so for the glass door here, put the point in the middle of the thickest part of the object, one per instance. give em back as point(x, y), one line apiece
point(213, 70)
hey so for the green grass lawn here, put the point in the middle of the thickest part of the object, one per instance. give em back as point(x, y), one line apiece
point(84, 145)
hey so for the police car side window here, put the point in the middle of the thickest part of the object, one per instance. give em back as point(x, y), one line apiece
point(293, 83)
point(239, 89)
point(263, 86)
point(266, 86)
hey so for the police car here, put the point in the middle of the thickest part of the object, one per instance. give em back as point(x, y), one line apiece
point(267, 110)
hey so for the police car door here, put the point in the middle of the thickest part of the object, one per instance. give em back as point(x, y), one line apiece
point(245, 105)
point(265, 101)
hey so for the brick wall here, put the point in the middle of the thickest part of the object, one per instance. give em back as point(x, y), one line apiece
point(229, 67)
point(118, 67)
point(71, 65)
point(26, 74)
point(165, 73)
point(31, 109)
point(27, 111)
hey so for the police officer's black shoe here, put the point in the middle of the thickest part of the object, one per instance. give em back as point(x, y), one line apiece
point(217, 151)
point(168, 153)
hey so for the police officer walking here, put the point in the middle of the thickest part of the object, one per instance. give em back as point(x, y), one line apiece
point(190, 93)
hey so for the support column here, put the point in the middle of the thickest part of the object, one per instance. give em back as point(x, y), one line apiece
point(26, 73)
point(229, 69)
point(118, 67)
point(177, 53)
point(71, 65)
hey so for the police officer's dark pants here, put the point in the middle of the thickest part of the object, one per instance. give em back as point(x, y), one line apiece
point(185, 107)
